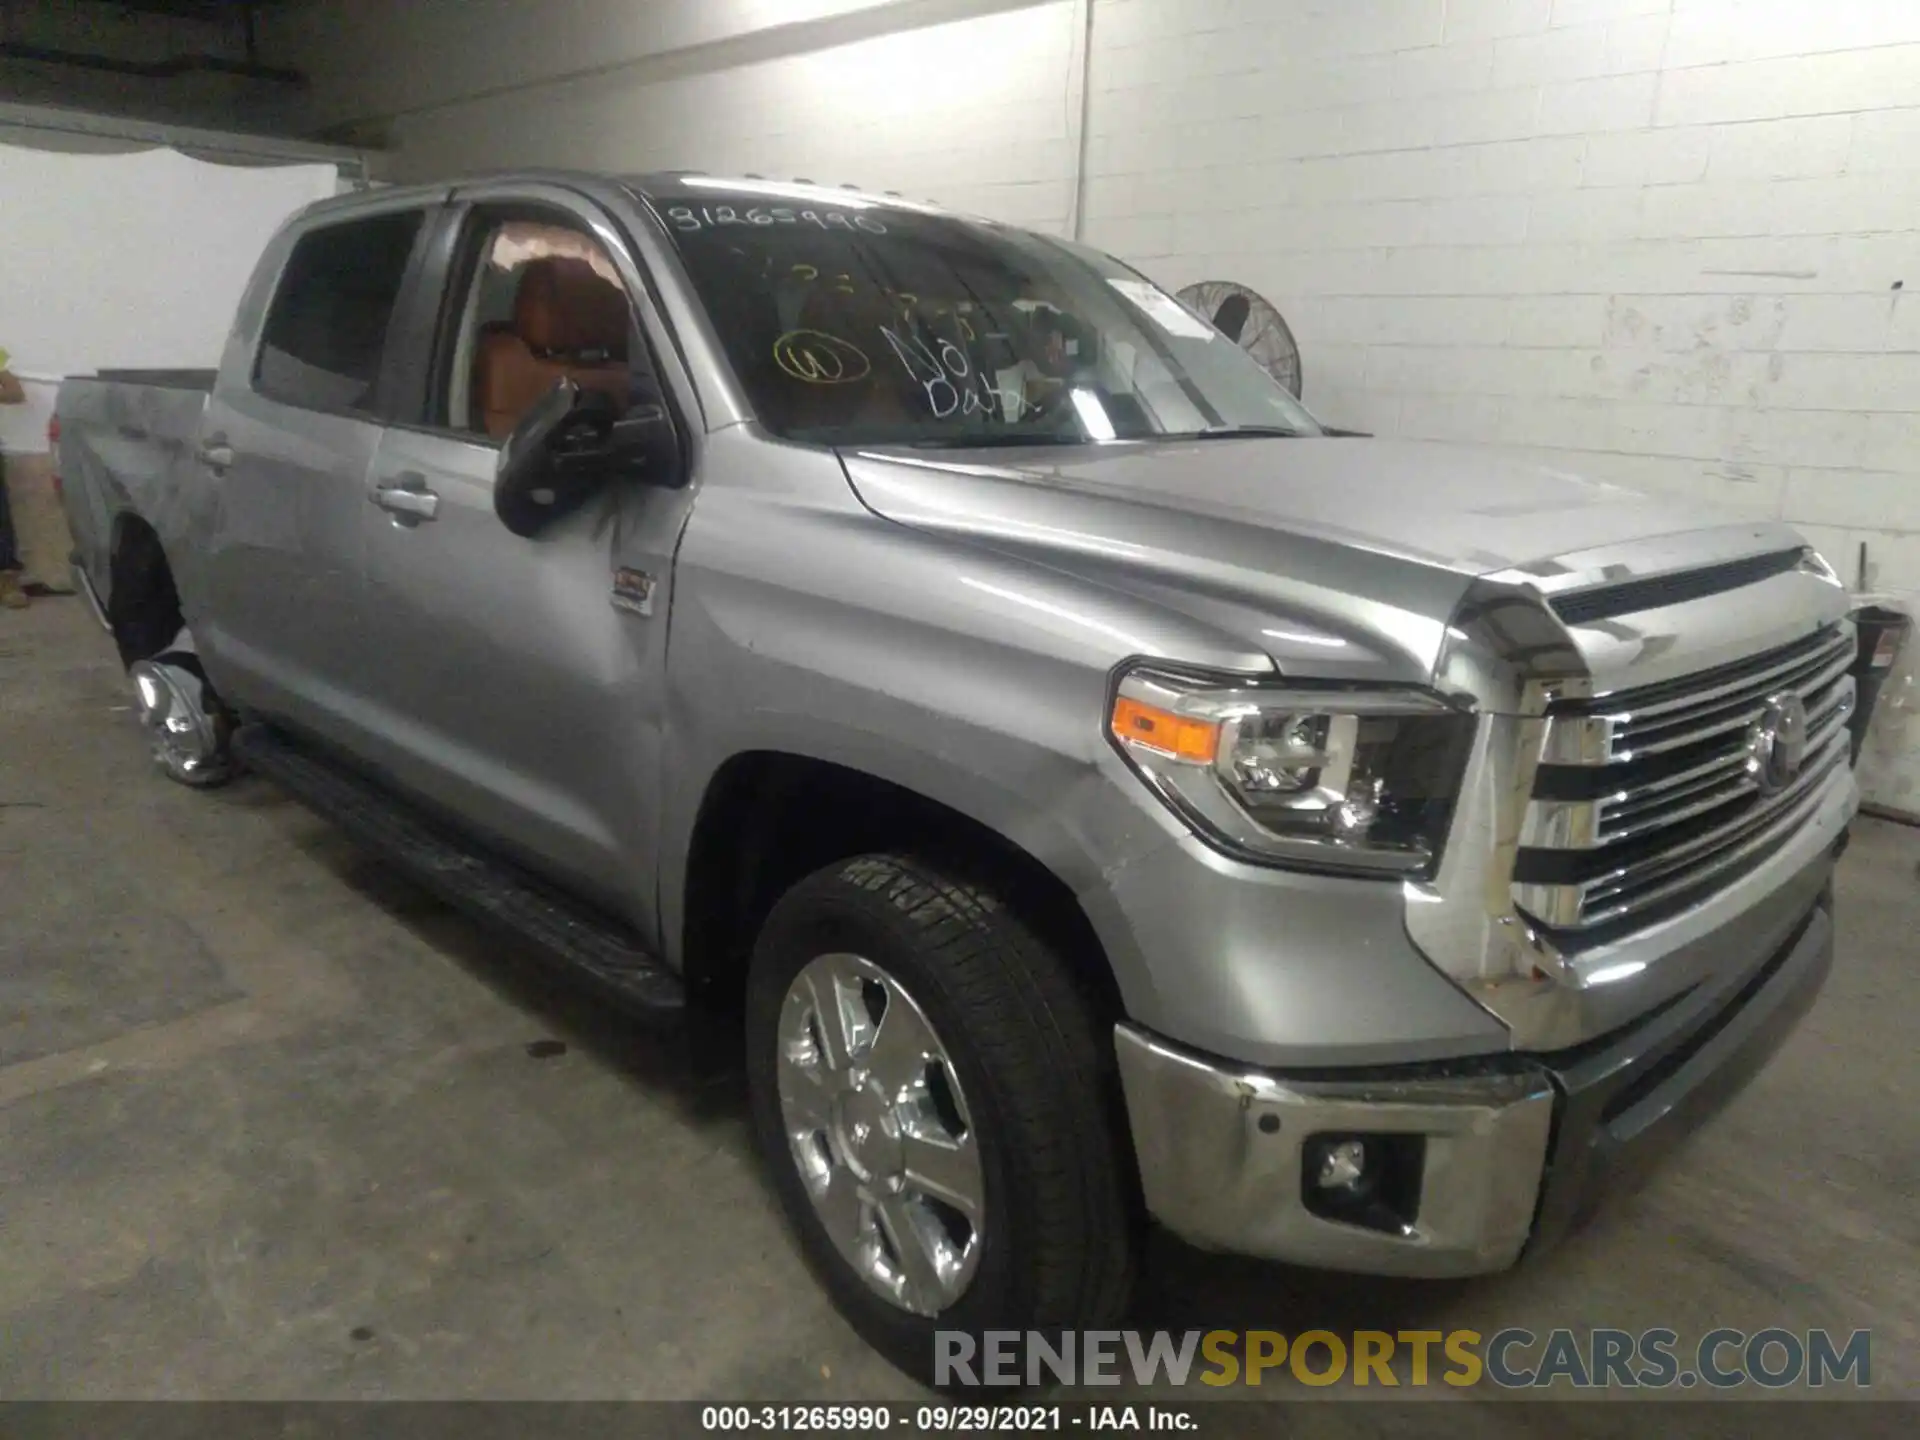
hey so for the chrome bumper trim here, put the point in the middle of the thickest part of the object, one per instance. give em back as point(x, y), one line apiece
point(83, 582)
point(1213, 1176)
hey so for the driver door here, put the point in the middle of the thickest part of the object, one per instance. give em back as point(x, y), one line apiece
point(519, 681)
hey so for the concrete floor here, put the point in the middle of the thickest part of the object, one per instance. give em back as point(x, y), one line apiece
point(275, 1124)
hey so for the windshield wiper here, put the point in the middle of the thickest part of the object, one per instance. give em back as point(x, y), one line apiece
point(1236, 432)
point(978, 441)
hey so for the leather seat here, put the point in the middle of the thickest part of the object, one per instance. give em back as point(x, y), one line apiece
point(569, 322)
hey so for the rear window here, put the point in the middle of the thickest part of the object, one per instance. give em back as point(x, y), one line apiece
point(320, 348)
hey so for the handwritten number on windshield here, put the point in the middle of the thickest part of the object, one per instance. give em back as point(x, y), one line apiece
point(689, 219)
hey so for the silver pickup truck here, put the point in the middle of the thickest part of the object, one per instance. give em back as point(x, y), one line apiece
point(1104, 792)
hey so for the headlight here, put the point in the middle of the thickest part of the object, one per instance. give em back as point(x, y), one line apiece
point(1814, 563)
point(1342, 779)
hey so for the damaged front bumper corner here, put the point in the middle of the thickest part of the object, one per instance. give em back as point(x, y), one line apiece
point(1223, 1154)
point(1506, 1153)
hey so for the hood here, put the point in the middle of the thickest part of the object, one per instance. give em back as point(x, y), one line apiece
point(1338, 557)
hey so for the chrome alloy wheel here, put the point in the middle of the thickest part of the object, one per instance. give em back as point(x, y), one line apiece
point(880, 1132)
point(182, 731)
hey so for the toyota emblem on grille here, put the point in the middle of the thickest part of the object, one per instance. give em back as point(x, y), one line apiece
point(1777, 742)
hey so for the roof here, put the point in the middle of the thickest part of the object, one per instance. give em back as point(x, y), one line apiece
point(686, 182)
point(664, 186)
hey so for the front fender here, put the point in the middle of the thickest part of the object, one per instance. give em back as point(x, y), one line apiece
point(806, 625)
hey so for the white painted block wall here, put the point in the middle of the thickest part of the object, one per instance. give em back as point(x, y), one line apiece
point(1660, 240)
point(972, 114)
point(1673, 243)
point(976, 112)
point(1667, 242)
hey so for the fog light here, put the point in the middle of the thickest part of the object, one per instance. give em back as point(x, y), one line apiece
point(1343, 1166)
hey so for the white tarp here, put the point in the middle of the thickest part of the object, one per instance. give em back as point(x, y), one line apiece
point(132, 261)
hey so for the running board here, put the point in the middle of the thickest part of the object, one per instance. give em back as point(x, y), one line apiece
point(487, 888)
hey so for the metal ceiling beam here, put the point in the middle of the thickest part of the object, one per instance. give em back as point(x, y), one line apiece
point(171, 68)
point(261, 148)
point(209, 10)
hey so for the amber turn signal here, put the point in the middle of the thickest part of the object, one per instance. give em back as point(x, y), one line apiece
point(1180, 736)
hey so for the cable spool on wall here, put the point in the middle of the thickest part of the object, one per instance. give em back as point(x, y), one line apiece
point(1252, 323)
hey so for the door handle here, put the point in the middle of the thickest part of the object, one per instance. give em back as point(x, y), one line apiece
point(216, 454)
point(408, 496)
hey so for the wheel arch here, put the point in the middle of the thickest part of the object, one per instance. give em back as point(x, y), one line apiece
point(767, 818)
point(143, 600)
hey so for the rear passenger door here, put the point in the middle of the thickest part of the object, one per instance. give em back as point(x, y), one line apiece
point(290, 434)
point(519, 683)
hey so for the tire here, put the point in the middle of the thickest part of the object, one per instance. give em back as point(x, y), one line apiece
point(1029, 1068)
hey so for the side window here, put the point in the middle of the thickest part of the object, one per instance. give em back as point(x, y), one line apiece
point(543, 303)
point(320, 347)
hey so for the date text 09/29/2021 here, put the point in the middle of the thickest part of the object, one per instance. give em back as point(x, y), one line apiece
point(940, 1419)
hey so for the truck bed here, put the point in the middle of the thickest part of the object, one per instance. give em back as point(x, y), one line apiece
point(127, 445)
point(201, 380)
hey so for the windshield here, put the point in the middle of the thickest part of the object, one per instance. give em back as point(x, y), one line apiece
point(856, 322)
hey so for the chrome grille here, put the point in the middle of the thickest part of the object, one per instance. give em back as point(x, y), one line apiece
point(1650, 798)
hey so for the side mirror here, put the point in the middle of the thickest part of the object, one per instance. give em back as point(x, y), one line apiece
point(571, 443)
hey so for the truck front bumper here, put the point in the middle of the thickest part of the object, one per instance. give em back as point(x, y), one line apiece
point(1507, 1151)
